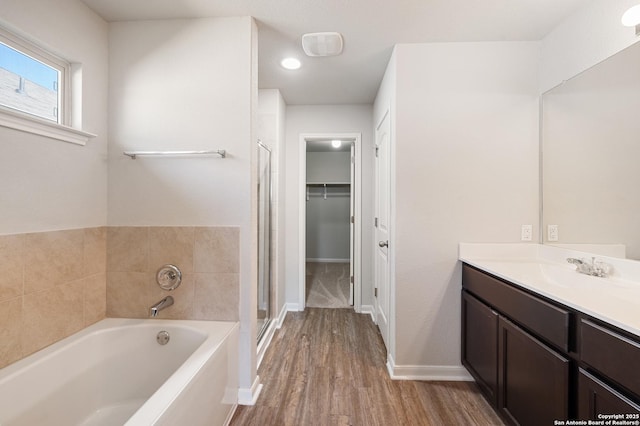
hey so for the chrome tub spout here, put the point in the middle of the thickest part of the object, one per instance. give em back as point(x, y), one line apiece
point(163, 304)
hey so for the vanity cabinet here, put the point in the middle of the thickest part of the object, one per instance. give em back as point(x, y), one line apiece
point(480, 344)
point(524, 379)
point(533, 379)
point(596, 397)
point(537, 361)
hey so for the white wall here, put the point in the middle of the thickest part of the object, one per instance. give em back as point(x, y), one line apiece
point(47, 184)
point(329, 167)
point(188, 84)
point(328, 219)
point(466, 169)
point(583, 39)
point(179, 85)
point(328, 119)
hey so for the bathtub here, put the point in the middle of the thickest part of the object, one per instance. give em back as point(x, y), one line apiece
point(115, 372)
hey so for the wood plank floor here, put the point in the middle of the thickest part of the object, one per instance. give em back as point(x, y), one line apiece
point(327, 367)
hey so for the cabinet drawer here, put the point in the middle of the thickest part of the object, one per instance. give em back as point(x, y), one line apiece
point(596, 398)
point(549, 322)
point(611, 353)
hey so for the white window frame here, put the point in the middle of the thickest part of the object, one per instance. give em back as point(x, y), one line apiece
point(24, 121)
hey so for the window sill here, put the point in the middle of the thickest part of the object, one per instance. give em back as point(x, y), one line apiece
point(37, 126)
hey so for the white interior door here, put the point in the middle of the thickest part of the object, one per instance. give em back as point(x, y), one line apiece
point(383, 212)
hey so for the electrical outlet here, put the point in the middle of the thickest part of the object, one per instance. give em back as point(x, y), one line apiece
point(552, 232)
point(526, 233)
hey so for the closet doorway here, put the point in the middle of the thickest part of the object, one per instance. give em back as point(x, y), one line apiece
point(330, 221)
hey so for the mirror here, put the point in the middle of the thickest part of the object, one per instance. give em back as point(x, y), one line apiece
point(591, 155)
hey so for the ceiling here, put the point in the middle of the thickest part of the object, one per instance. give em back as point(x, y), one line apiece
point(370, 29)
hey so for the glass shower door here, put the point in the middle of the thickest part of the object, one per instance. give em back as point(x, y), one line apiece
point(264, 238)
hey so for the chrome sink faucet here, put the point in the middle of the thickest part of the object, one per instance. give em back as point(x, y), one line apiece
point(163, 304)
point(595, 268)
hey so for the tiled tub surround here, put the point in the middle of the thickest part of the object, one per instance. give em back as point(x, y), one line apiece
point(52, 284)
point(544, 270)
point(207, 256)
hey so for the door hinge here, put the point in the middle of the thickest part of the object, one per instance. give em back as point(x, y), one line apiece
point(375, 222)
point(351, 279)
point(375, 292)
point(353, 219)
point(377, 149)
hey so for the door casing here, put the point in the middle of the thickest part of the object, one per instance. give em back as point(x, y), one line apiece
point(302, 216)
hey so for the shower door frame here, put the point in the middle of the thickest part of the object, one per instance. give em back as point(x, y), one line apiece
point(356, 260)
point(261, 332)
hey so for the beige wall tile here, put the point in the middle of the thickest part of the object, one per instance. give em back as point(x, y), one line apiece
point(95, 298)
point(52, 315)
point(173, 245)
point(95, 251)
point(217, 249)
point(52, 258)
point(56, 283)
point(12, 266)
point(10, 331)
point(127, 249)
point(129, 294)
point(216, 297)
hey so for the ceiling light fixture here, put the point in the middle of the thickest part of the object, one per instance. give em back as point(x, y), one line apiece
point(336, 143)
point(631, 17)
point(290, 63)
point(322, 44)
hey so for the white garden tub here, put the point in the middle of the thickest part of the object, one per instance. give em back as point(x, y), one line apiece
point(115, 372)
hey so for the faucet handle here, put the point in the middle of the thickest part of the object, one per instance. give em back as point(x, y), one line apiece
point(601, 269)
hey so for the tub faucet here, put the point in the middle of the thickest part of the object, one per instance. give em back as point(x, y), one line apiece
point(164, 303)
point(595, 268)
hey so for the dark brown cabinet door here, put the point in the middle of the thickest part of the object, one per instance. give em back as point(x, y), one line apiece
point(480, 344)
point(595, 397)
point(533, 379)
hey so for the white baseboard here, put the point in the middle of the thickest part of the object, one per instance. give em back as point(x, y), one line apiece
point(230, 415)
point(274, 325)
point(283, 314)
point(266, 341)
point(450, 373)
point(323, 260)
point(250, 396)
point(293, 307)
point(369, 309)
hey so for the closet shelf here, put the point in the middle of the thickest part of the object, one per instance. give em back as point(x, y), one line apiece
point(328, 183)
point(325, 185)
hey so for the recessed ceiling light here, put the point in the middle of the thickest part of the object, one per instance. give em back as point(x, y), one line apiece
point(336, 143)
point(631, 17)
point(290, 63)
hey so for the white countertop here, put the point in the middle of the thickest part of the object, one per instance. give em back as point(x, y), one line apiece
point(543, 269)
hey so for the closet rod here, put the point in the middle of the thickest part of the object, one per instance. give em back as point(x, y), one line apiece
point(133, 154)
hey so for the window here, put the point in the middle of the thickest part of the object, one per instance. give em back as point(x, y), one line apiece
point(32, 81)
